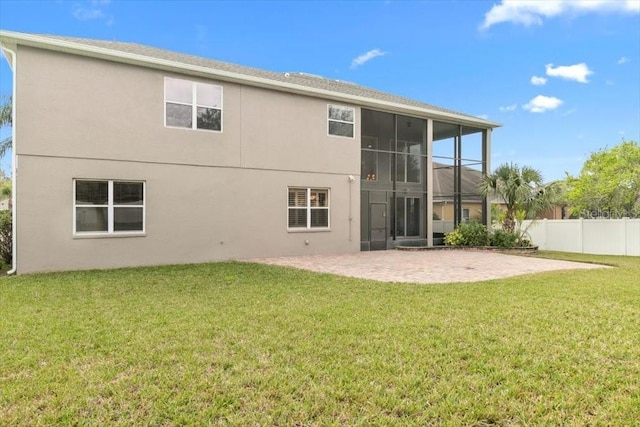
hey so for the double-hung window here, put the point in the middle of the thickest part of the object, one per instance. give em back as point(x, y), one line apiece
point(108, 207)
point(308, 208)
point(341, 120)
point(192, 105)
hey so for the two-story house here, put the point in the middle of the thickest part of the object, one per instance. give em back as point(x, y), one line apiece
point(129, 155)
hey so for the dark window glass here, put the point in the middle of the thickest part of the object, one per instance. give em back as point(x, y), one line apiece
point(91, 219)
point(92, 192)
point(209, 118)
point(319, 217)
point(341, 113)
point(414, 163)
point(340, 129)
point(400, 216)
point(413, 216)
point(127, 219)
point(369, 166)
point(297, 218)
point(128, 193)
point(179, 115)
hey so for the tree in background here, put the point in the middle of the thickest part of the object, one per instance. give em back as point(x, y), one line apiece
point(608, 184)
point(6, 119)
point(521, 190)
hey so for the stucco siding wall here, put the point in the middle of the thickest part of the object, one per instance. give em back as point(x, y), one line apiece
point(296, 127)
point(210, 196)
point(193, 214)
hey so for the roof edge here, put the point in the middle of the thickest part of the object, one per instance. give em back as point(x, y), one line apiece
point(44, 42)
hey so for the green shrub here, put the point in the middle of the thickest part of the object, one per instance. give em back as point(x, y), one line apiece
point(468, 234)
point(504, 239)
point(6, 242)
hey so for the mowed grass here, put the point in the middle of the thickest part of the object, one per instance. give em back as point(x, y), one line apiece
point(246, 344)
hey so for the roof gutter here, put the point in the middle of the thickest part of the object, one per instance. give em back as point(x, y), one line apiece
point(136, 59)
point(10, 54)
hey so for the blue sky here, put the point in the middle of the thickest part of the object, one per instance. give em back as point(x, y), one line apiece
point(563, 77)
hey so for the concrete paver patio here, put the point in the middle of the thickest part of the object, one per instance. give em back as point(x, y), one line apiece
point(442, 266)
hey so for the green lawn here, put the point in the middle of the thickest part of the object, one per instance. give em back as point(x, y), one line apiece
point(245, 344)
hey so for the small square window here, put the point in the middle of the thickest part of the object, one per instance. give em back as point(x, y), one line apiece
point(308, 208)
point(341, 120)
point(193, 105)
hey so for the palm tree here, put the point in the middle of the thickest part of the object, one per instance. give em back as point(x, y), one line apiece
point(522, 191)
point(6, 119)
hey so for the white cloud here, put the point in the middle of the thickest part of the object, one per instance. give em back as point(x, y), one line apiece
point(533, 12)
point(569, 112)
point(538, 81)
point(483, 116)
point(366, 57)
point(91, 10)
point(508, 108)
point(623, 60)
point(86, 14)
point(577, 72)
point(542, 103)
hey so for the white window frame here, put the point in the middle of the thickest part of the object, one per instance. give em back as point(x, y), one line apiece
point(110, 209)
point(329, 120)
point(194, 105)
point(309, 208)
point(466, 214)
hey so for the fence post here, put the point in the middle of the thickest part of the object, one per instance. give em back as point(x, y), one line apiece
point(581, 235)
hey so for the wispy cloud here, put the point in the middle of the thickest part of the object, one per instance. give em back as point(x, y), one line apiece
point(366, 57)
point(623, 60)
point(542, 103)
point(609, 82)
point(92, 10)
point(508, 108)
point(483, 116)
point(534, 12)
point(577, 72)
point(538, 81)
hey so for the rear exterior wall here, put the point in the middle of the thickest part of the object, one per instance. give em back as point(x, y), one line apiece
point(209, 195)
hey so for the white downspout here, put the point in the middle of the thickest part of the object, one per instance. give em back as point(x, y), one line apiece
point(14, 167)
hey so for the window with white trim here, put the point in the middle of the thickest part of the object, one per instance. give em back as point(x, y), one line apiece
point(308, 208)
point(192, 105)
point(108, 207)
point(341, 120)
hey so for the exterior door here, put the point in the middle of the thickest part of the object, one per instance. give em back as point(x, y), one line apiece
point(378, 226)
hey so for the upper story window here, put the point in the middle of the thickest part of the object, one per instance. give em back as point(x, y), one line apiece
point(192, 105)
point(108, 207)
point(341, 120)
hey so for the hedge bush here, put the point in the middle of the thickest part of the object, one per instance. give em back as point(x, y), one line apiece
point(504, 239)
point(6, 252)
point(468, 234)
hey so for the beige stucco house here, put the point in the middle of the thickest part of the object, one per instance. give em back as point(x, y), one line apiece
point(129, 155)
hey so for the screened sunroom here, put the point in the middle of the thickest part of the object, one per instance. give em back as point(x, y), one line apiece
point(402, 157)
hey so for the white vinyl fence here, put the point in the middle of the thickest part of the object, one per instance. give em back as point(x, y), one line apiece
point(589, 236)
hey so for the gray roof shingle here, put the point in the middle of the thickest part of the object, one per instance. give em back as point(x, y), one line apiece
point(301, 79)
